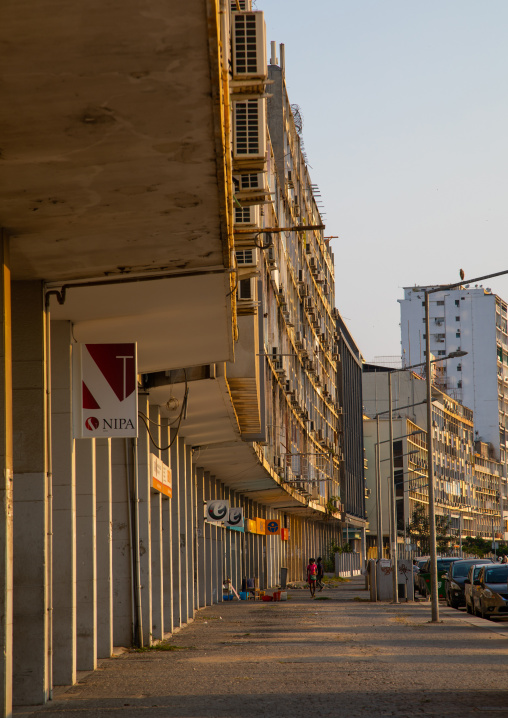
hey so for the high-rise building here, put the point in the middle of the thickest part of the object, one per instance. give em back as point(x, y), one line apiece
point(474, 320)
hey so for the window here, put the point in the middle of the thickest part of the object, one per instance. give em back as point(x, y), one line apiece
point(245, 256)
point(459, 367)
point(441, 353)
point(423, 304)
point(457, 303)
point(459, 384)
point(242, 214)
point(245, 289)
point(457, 334)
point(440, 304)
point(457, 319)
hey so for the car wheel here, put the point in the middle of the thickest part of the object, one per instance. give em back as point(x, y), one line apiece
point(454, 604)
point(483, 613)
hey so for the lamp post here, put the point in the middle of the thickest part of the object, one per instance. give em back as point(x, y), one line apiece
point(393, 504)
point(430, 448)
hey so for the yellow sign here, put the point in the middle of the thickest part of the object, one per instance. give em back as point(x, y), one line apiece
point(250, 526)
point(261, 526)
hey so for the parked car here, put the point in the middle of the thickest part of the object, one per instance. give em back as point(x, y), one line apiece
point(469, 588)
point(455, 578)
point(443, 565)
point(491, 599)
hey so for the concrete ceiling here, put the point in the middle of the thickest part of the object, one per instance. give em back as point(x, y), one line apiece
point(109, 156)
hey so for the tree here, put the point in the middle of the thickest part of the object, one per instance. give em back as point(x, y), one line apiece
point(419, 530)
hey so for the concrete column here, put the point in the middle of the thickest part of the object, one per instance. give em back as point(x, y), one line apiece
point(175, 528)
point(144, 525)
point(220, 546)
point(200, 536)
point(122, 555)
point(208, 559)
point(156, 524)
point(64, 507)
point(104, 548)
point(182, 502)
point(189, 508)
point(6, 467)
point(31, 627)
point(86, 555)
point(167, 541)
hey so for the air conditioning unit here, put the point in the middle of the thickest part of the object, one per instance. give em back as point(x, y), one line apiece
point(251, 188)
point(241, 5)
point(249, 45)
point(246, 257)
point(270, 257)
point(249, 129)
point(247, 216)
point(301, 279)
point(312, 264)
point(298, 340)
point(290, 182)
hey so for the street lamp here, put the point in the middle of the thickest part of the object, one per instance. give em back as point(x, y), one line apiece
point(432, 501)
point(393, 505)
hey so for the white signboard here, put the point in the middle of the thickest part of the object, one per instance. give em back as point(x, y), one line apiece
point(105, 393)
point(235, 518)
point(161, 476)
point(217, 511)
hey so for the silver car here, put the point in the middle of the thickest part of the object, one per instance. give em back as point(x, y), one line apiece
point(469, 588)
point(490, 599)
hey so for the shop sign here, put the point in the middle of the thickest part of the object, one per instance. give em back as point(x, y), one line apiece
point(260, 526)
point(105, 396)
point(161, 476)
point(250, 526)
point(235, 519)
point(284, 534)
point(272, 527)
point(217, 511)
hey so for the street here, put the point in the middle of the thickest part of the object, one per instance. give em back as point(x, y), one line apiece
point(338, 655)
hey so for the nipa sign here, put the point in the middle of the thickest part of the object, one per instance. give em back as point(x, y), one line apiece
point(105, 396)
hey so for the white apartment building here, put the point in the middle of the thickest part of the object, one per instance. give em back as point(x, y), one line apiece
point(474, 320)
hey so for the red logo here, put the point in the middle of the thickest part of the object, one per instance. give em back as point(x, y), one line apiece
point(92, 423)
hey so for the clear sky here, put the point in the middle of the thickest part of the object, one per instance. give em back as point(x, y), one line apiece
point(405, 113)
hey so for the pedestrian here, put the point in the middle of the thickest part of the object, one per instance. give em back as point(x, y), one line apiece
point(504, 559)
point(320, 573)
point(312, 576)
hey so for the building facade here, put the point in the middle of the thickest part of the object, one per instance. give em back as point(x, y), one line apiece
point(200, 242)
point(464, 478)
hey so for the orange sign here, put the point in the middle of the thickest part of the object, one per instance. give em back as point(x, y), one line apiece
point(284, 534)
point(260, 526)
point(161, 477)
point(272, 527)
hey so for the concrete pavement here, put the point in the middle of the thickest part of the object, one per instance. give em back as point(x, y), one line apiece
point(341, 656)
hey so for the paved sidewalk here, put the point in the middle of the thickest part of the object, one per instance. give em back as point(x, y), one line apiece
point(341, 656)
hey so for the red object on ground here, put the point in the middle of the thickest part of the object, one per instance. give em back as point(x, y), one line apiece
point(267, 598)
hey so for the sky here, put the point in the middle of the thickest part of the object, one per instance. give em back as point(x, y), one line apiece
point(405, 113)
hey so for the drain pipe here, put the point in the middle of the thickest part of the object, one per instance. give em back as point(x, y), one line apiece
point(49, 510)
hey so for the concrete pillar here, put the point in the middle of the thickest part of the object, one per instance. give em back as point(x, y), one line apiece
point(86, 555)
point(104, 548)
point(31, 627)
point(156, 534)
point(175, 524)
point(208, 530)
point(64, 507)
point(182, 503)
point(6, 467)
point(190, 533)
point(200, 538)
point(144, 525)
point(122, 543)
point(167, 540)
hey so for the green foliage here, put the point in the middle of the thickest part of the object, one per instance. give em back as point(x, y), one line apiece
point(329, 558)
point(419, 531)
point(481, 547)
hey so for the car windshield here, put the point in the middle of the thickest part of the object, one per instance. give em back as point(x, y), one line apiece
point(460, 569)
point(444, 563)
point(496, 575)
